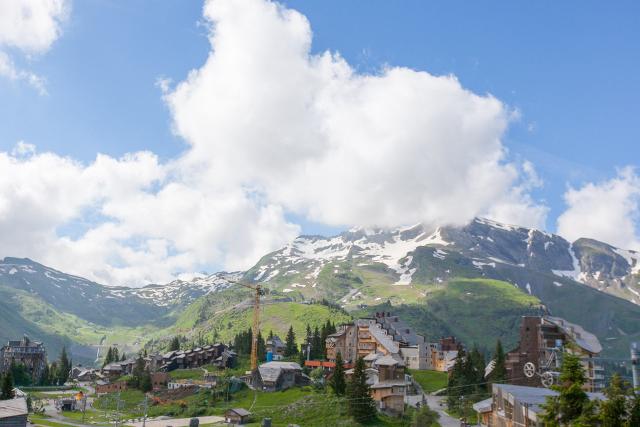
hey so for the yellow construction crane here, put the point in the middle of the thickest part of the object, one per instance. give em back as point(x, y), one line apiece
point(259, 291)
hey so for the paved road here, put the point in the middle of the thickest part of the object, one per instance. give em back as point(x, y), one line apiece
point(445, 419)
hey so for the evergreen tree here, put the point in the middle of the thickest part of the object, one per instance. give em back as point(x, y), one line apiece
point(634, 411)
point(262, 348)
point(613, 411)
point(360, 404)
point(175, 344)
point(338, 383)
point(44, 376)
point(291, 349)
point(6, 390)
point(53, 373)
point(116, 356)
point(137, 373)
point(19, 374)
point(457, 382)
point(499, 373)
point(123, 357)
point(145, 381)
point(316, 345)
point(270, 334)
point(108, 358)
point(64, 367)
point(572, 401)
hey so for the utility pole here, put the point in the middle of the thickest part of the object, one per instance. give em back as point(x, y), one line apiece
point(118, 401)
point(84, 407)
point(635, 366)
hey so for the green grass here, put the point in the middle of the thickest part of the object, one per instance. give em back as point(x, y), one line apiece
point(276, 317)
point(186, 374)
point(430, 381)
point(476, 311)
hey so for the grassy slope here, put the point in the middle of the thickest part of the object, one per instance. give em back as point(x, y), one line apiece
point(477, 311)
point(277, 317)
point(430, 381)
point(56, 328)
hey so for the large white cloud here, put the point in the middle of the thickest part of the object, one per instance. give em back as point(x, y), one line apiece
point(608, 211)
point(272, 130)
point(30, 26)
point(340, 147)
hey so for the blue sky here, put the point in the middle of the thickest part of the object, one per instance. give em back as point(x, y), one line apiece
point(571, 69)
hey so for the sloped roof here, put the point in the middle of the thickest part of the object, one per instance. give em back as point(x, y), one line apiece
point(483, 405)
point(584, 339)
point(13, 407)
point(270, 371)
point(240, 411)
point(388, 361)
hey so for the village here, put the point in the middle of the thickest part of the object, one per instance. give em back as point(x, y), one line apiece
point(401, 372)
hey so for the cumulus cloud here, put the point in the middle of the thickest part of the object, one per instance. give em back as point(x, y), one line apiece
point(30, 26)
point(273, 130)
point(313, 135)
point(141, 221)
point(608, 211)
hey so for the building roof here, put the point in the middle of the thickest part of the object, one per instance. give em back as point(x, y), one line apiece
point(584, 339)
point(534, 396)
point(372, 356)
point(388, 361)
point(13, 407)
point(483, 405)
point(385, 340)
point(270, 371)
point(240, 411)
point(387, 384)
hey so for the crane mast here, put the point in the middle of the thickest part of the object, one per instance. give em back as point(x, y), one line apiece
point(255, 330)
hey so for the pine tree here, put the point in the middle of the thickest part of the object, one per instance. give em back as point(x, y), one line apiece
point(6, 390)
point(262, 348)
point(53, 373)
point(108, 358)
point(137, 373)
point(44, 376)
point(175, 344)
point(116, 356)
point(123, 357)
point(360, 403)
point(499, 373)
point(145, 381)
point(338, 383)
point(613, 410)
point(291, 348)
point(64, 367)
point(572, 401)
point(634, 411)
point(316, 345)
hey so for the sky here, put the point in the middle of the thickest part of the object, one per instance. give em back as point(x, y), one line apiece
point(144, 140)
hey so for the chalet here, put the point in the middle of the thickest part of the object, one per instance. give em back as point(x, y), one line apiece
point(276, 376)
point(216, 354)
point(13, 412)
point(237, 416)
point(81, 374)
point(103, 387)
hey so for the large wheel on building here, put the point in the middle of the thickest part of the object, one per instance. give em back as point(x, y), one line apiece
point(547, 379)
point(529, 370)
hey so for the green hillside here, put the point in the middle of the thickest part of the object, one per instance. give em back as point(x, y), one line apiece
point(477, 311)
point(210, 321)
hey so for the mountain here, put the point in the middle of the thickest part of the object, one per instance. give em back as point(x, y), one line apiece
point(587, 282)
point(473, 281)
point(62, 309)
